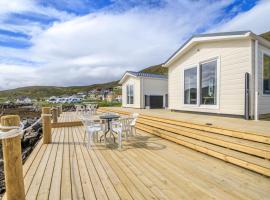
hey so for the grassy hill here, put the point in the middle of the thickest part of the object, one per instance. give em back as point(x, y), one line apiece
point(47, 91)
point(266, 35)
point(156, 69)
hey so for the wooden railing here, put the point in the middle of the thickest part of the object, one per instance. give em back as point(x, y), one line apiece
point(11, 145)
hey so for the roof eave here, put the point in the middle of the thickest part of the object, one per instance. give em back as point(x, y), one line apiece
point(124, 77)
point(195, 40)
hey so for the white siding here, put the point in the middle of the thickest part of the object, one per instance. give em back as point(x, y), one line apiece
point(152, 86)
point(263, 100)
point(137, 92)
point(235, 60)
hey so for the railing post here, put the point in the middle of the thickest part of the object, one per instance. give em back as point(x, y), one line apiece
point(58, 111)
point(12, 154)
point(61, 109)
point(54, 115)
point(46, 125)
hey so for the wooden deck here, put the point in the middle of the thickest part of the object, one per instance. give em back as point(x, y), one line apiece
point(238, 124)
point(148, 167)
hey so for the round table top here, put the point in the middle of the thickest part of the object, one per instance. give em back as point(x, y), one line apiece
point(111, 116)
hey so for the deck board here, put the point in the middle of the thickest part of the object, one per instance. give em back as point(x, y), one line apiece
point(148, 167)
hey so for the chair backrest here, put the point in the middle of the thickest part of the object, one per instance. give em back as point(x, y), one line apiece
point(124, 123)
point(134, 119)
point(79, 108)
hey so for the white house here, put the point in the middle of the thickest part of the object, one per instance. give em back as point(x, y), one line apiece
point(222, 73)
point(144, 90)
point(24, 100)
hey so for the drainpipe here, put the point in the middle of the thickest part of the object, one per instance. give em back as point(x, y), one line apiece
point(142, 94)
point(256, 113)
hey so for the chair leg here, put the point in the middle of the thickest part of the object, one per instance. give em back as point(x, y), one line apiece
point(119, 140)
point(90, 139)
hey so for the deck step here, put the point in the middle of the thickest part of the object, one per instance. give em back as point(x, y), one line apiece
point(218, 130)
point(246, 146)
point(244, 160)
point(248, 150)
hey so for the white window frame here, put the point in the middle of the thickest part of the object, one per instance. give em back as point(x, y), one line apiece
point(183, 85)
point(262, 68)
point(198, 65)
point(128, 101)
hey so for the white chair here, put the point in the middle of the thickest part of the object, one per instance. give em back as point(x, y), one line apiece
point(79, 109)
point(92, 129)
point(134, 117)
point(121, 126)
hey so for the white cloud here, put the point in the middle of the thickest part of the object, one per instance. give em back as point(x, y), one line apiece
point(100, 46)
point(256, 20)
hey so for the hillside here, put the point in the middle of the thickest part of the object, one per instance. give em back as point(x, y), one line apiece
point(266, 35)
point(46, 91)
point(156, 69)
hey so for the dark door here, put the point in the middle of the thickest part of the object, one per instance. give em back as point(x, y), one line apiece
point(156, 101)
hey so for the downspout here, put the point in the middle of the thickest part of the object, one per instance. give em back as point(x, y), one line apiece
point(142, 94)
point(256, 112)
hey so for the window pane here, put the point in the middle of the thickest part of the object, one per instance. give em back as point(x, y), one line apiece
point(127, 94)
point(131, 94)
point(190, 86)
point(266, 74)
point(209, 83)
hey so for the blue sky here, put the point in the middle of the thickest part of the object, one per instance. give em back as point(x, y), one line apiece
point(77, 42)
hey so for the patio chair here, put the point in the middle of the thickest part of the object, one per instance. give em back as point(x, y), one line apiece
point(134, 117)
point(121, 126)
point(80, 109)
point(92, 129)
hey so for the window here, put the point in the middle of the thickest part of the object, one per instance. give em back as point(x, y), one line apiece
point(130, 94)
point(266, 74)
point(190, 86)
point(208, 83)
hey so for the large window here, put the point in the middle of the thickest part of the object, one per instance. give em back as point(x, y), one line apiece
point(208, 83)
point(190, 86)
point(206, 92)
point(266, 74)
point(130, 94)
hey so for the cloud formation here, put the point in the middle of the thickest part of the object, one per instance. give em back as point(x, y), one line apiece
point(100, 46)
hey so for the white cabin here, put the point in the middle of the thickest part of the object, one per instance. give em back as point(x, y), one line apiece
point(144, 90)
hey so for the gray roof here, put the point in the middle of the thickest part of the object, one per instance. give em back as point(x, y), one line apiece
point(208, 35)
point(142, 74)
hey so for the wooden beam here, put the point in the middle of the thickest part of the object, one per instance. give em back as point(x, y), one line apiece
point(46, 125)
point(66, 124)
point(13, 160)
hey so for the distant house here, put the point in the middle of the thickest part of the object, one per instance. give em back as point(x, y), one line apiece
point(23, 100)
point(221, 73)
point(144, 90)
point(110, 96)
point(118, 98)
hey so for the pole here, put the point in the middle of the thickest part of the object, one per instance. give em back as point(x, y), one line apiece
point(46, 125)
point(12, 154)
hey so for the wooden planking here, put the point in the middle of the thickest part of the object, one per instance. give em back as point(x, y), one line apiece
point(66, 191)
point(148, 167)
point(98, 187)
point(261, 166)
point(66, 124)
point(55, 185)
point(119, 186)
point(243, 135)
point(76, 186)
point(207, 172)
point(87, 186)
point(261, 150)
point(253, 136)
point(44, 189)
